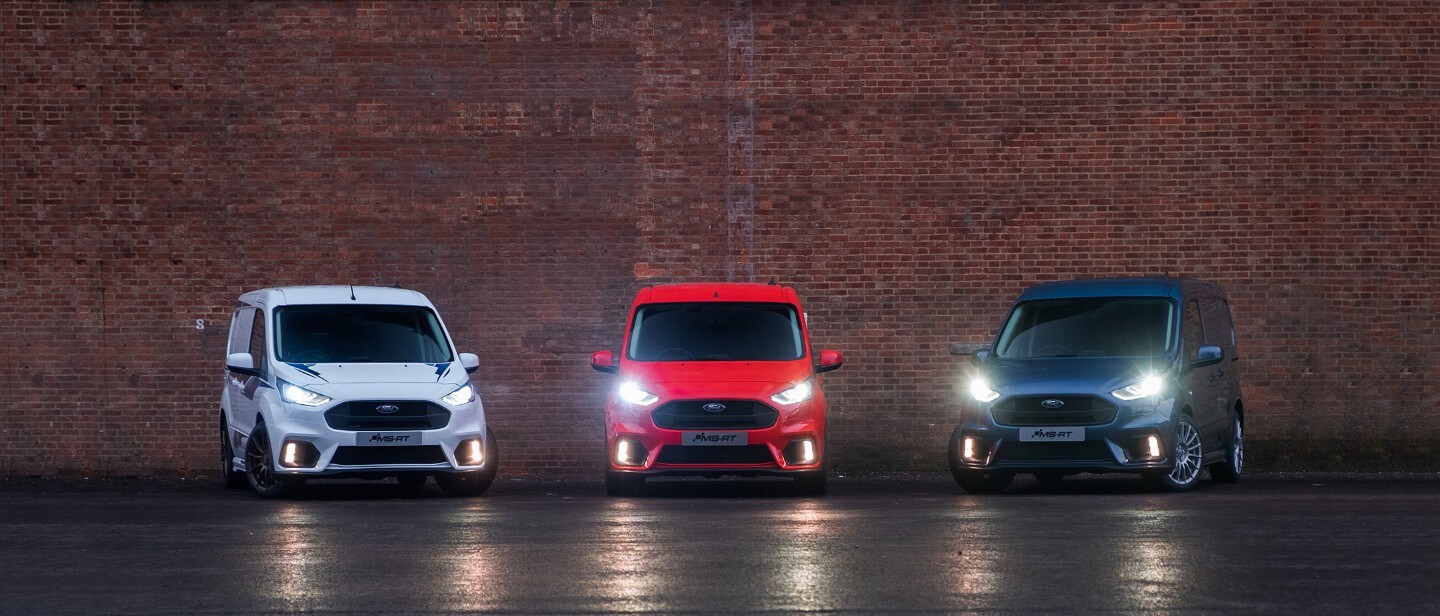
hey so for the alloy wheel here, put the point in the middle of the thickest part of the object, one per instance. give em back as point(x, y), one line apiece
point(258, 461)
point(1187, 454)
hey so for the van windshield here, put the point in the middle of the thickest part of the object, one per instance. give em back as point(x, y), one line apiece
point(1089, 327)
point(716, 331)
point(359, 334)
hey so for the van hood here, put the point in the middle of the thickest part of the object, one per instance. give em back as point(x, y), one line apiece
point(1069, 375)
point(309, 374)
point(684, 372)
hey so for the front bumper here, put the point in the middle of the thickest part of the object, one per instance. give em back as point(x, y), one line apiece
point(765, 452)
point(342, 452)
point(1119, 445)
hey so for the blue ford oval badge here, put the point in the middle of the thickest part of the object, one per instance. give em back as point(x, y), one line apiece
point(714, 407)
point(1052, 403)
point(388, 408)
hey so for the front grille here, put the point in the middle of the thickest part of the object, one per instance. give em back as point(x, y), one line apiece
point(737, 415)
point(1083, 451)
point(403, 454)
point(362, 415)
point(1076, 411)
point(748, 454)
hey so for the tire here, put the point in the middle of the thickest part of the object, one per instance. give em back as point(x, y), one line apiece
point(811, 483)
point(260, 466)
point(229, 477)
point(1189, 460)
point(473, 483)
point(973, 481)
point(623, 484)
point(1229, 469)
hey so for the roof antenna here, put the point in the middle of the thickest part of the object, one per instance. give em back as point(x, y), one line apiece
point(774, 281)
point(352, 292)
point(397, 284)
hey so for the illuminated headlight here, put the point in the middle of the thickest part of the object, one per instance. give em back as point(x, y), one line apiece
point(630, 392)
point(460, 396)
point(800, 392)
point(1146, 387)
point(296, 394)
point(980, 390)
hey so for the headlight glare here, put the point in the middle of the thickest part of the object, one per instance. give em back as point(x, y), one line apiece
point(296, 394)
point(1151, 385)
point(631, 392)
point(460, 396)
point(797, 393)
point(980, 390)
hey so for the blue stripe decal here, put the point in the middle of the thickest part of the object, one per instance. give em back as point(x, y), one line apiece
point(441, 370)
point(305, 368)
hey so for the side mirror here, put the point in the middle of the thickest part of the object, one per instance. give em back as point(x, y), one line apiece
point(982, 355)
point(470, 362)
point(604, 361)
point(1207, 355)
point(242, 363)
point(830, 360)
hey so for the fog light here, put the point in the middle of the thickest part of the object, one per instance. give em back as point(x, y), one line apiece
point(629, 453)
point(298, 454)
point(1152, 446)
point(470, 452)
point(972, 449)
point(801, 452)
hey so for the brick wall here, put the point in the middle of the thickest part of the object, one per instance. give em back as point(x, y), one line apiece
point(909, 167)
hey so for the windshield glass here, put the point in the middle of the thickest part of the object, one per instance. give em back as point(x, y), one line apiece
point(1089, 327)
point(716, 331)
point(359, 334)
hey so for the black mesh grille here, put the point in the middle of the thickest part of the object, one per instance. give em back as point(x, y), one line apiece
point(1073, 411)
point(365, 415)
point(749, 454)
point(1083, 451)
point(403, 454)
point(735, 415)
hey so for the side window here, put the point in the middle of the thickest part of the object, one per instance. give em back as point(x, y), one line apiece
point(257, 341)
point(1192, 333)
point(240, 324)
point(1218, 329)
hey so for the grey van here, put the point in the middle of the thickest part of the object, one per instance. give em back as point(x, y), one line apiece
point(1131, 375)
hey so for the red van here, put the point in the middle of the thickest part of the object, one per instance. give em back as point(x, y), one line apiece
point(716, 379)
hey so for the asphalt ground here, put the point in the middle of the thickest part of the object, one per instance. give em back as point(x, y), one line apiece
point(1302, 544)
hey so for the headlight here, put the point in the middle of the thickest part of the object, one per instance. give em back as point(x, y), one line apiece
point(1146, 387)
point(798, 393)
point(296, 394)
point(460, 396)
point(980, 390)
point(630, 392)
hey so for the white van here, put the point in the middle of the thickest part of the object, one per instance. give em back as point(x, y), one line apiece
point(342, 381)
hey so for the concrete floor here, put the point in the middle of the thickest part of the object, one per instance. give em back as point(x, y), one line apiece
point(1314, 544)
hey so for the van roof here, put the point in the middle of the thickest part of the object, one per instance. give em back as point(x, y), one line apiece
point(717, 292)
point(335, 294)
point(1114, 287)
